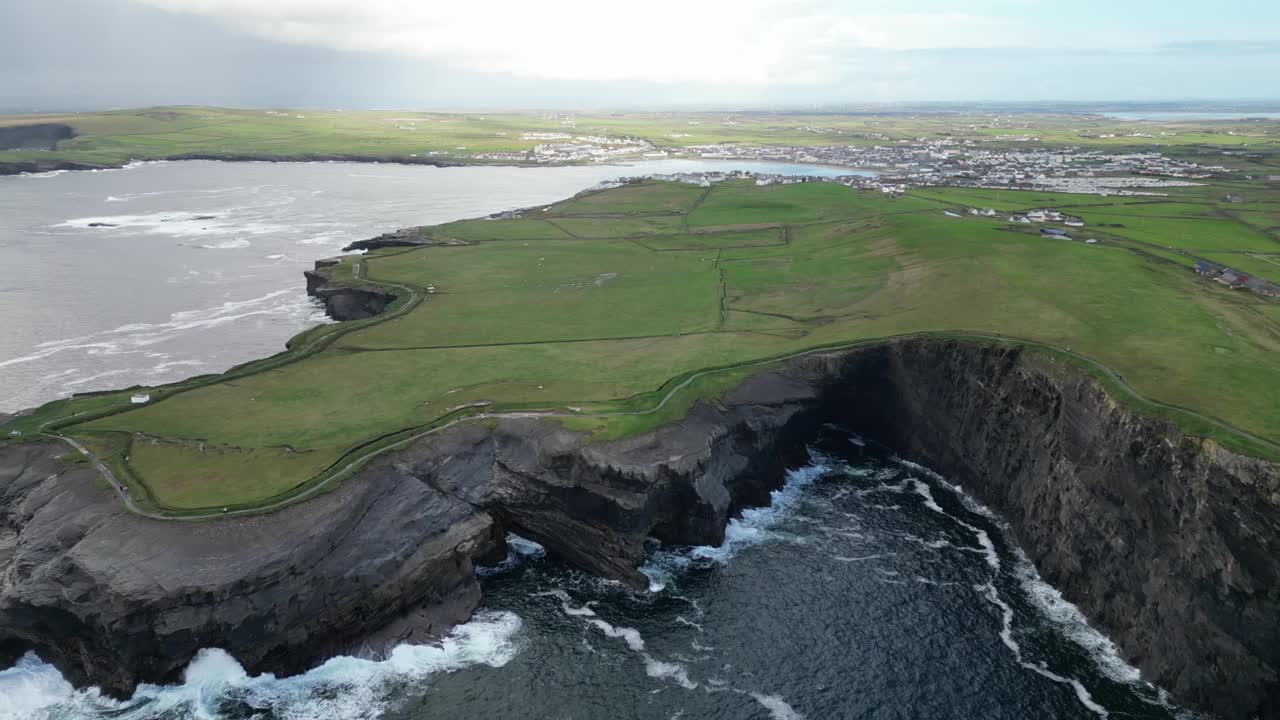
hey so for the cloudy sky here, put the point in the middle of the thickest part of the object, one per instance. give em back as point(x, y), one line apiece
point(73, 54)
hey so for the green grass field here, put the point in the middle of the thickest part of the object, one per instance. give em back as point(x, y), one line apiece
point(601, 303)
point(116, 137)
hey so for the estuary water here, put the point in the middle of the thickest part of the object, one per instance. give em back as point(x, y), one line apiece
point(160, 271)
point(869, 588)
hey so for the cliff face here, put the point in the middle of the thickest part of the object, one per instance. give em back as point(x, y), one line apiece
point(34, 136)
point(345, 302)
point(113, 599)
point(1167, 543)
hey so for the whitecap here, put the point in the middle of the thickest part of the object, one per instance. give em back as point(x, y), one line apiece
point(1070, 622)
point(778, 708)
point(343, 688)
point(668, 671)
point(754, 525)
point(179, 223)
point(236, 244)
point(630, 636)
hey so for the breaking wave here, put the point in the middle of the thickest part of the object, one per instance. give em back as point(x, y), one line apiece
point(751, 528)
point(216, 686)
point(178, 224)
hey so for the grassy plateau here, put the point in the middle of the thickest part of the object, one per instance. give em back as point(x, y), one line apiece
point(595, 308)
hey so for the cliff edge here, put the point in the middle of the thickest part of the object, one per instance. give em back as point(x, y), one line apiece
point(1168, 543)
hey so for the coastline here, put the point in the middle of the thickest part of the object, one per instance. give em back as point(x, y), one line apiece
point(593, 504)
point(1086, 482)
point(35, 167)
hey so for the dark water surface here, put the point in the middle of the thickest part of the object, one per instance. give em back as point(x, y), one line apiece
point(160, 271)
point(870, 588)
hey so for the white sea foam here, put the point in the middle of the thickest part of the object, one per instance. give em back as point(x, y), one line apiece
point(1068, 619)
point(630, 636)
point(343, 688)
point(226, 221)
point(237, 244)
point(918, 487)
point(674, 672)
point(519, 550)
point(1072, 623)
point(129, 197)
point(686, 621)
point(777, 707)
point(752, 528)
point(864, 558)
point(1006, 636)
point(329, 238)
point(31, 686)
point(135, 337)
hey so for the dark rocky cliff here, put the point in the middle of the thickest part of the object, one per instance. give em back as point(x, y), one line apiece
point(34, 136)
point(1166, 542)
point(345, 301)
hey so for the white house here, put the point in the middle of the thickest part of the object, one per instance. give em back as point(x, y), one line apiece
point(140, 398)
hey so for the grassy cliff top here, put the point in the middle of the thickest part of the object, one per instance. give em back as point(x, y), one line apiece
point(598, 306)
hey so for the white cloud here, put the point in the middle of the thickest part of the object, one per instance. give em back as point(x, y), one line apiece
point(722, 42)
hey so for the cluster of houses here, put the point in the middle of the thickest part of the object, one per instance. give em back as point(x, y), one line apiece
point(901, 163)
point(564, 148)
point(706, 179)
point(1040, 216)
point(962, 162)
point(1235, 279)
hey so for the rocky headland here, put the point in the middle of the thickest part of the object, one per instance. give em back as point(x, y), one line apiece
point(345, 301)
point(1167, 542)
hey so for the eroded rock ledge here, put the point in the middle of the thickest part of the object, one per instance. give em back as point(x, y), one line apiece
point(344, 301)
point(1168, 543)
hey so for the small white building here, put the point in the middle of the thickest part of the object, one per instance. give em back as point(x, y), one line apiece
point(140, 398)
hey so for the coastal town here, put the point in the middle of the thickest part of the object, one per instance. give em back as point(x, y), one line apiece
point(902, 164)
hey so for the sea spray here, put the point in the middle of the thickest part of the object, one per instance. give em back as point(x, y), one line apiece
point(215, 685)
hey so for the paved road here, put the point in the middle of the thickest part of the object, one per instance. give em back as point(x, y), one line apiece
point(323, 483)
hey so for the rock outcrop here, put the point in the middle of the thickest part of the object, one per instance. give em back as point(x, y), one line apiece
point(1168, 543)
point(113, 599)
point(344, 301)
point(404, 237)
point(34, 136)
